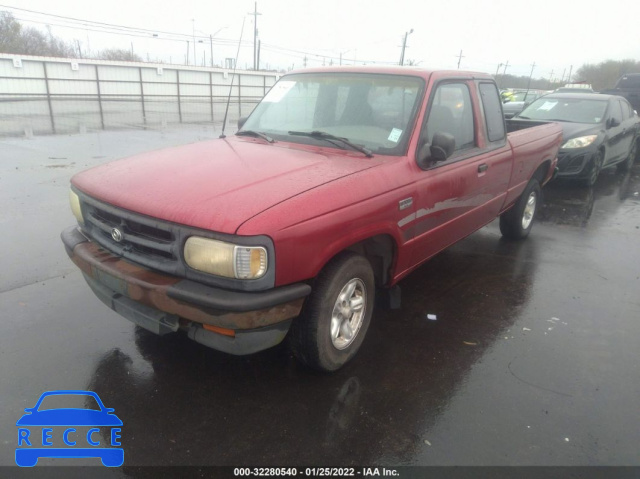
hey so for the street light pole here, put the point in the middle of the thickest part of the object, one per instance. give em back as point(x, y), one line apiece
point(211, 37)
point(193, 24)
point(404, 46)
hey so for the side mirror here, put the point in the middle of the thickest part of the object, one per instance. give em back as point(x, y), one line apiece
point(442, 147)
point(612, 122)
point(242, 121)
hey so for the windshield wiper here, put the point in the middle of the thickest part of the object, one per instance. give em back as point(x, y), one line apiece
point(255, 134)
point(322, 135)
point(525, 117)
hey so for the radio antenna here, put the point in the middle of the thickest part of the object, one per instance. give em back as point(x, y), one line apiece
point(233, 76)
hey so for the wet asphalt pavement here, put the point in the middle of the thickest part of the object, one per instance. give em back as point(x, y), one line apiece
point(532, 360)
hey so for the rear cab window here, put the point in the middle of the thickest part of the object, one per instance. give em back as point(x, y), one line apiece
point(629, 81)
point(494, 119)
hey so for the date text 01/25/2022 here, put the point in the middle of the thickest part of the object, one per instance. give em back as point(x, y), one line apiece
point(316, 472)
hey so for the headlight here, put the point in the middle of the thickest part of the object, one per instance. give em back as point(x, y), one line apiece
point(74, 200)
point(580, 142)
point(225, 259)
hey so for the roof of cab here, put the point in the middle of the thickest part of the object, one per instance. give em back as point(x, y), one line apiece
point(395, 70)
point(579, 96)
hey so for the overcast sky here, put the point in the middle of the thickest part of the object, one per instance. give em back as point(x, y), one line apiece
point(554, 35)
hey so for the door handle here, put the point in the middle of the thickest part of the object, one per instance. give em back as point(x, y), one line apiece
point(482, 168)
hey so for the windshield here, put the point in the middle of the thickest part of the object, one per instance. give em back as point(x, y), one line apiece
point(566, 109)
point(65, 401)
point(372, 110)
point(524, 96)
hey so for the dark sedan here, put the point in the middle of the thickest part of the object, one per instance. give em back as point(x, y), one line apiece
point(599, 131)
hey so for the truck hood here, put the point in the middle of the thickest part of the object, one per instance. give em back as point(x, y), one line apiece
point(216, 185)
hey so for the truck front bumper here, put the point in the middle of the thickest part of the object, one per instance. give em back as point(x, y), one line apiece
point(231, 321)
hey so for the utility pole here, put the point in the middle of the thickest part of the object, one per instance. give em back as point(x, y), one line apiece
point(563, 73)
point(80, 51)
point(186, 58)
point(460, 57)
point(193, 24)
point(211, 48)
point(506, 65)
point(504, 72)
point(404, 46)
point(551, 78)
point(570, 70)
point(498, 69)
point(530, 75)
point(255, 35)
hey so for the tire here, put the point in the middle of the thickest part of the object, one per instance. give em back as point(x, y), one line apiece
point(596, 167)
point(517, 222)
point(627, 164)
point(331, 329)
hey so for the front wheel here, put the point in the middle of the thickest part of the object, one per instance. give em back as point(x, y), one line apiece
point(336, 316)
point(596, 166)
point(517, 222)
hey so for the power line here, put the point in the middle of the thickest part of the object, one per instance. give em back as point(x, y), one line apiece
point(136, 32)
point(219, 41)
point(101, 24)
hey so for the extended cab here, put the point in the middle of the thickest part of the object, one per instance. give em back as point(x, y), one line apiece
point(628, 86)
point(340, 183)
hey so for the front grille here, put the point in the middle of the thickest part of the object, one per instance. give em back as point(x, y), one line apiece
point(568, 163)
point(157, 244)
point(144, 240)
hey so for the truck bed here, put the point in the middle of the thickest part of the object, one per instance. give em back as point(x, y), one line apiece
point(516, 124)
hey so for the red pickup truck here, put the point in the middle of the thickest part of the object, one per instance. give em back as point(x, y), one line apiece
point(340, 183)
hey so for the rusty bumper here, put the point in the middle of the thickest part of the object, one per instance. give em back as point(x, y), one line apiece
point(164, 303)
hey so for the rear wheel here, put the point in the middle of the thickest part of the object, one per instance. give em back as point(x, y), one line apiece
point(517, 222)
point(336, 316)
point(627, 164)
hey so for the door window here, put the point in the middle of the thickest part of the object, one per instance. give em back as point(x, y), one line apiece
point(616, 111)
point(452, 112)
point(625, 111)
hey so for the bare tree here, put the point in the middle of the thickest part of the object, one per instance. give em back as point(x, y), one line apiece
point(15, 38)
point(118, 54)
point(513, 81)
point(605, 74)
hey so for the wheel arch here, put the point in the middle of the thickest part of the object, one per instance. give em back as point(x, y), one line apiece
point(542, 172)
point(381, 252)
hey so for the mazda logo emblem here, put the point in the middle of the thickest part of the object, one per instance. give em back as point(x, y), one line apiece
point(116, 234)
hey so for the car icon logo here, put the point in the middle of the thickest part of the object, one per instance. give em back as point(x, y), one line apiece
point(116, 234)
point(40, 427)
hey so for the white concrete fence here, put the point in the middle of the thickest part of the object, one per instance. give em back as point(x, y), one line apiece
point(41, 95)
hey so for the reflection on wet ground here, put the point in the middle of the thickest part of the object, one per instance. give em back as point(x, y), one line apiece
point(570, 203)
point(205, 407)
point(531, 359)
